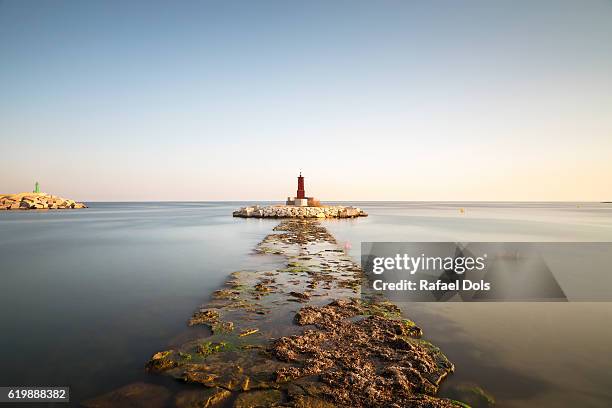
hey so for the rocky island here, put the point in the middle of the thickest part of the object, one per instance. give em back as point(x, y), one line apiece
point(300, 206)
point(36, 201)
point(288, 211)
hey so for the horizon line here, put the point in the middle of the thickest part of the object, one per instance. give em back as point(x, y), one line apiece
point(354, 201)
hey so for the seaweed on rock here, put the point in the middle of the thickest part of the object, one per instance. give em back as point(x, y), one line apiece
point(336, 350)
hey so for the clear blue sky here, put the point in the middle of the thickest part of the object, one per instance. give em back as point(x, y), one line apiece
point(225, 100)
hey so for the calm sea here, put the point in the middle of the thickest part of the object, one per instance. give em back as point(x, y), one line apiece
point(87, 296)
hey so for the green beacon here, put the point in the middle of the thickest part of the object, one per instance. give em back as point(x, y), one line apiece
point(36, 188)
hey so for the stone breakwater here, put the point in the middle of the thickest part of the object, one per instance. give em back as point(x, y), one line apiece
point(36, 201)
point(287, 211)
point(298, 335)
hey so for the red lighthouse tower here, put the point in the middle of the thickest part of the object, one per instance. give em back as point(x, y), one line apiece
point(300, 200)
point(300, 191)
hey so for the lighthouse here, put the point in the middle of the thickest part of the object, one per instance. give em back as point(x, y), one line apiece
point(300, 191)
point(300, 199)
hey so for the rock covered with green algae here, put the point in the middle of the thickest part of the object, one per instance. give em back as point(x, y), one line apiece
point(229, 362)
point(161, 361)
point(329, 315)
point(354, 353)
point(263, 300)
point(373, 361)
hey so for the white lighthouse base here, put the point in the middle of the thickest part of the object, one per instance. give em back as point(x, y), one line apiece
point(298, 202)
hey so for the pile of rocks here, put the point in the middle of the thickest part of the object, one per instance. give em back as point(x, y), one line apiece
point(287, 211)
point(36, 201)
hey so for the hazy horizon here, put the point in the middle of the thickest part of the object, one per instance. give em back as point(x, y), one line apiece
point(385, 101)
point(327, 202)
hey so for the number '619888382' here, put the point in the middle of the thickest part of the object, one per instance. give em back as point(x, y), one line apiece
point(34, 394)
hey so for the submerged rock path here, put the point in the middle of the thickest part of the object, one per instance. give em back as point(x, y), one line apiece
point(302, 336)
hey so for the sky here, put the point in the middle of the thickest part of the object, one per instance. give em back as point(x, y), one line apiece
point(372, 100)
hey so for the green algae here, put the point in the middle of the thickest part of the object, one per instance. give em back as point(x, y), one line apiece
point(222, 327)
point(162, 361)
point(384, 309)
point(184, 356)
point(209, 347)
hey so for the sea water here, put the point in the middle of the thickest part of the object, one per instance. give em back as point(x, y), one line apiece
point(524, 354)
point(88, 295)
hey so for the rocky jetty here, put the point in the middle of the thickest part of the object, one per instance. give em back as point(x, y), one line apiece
point(288, 211)
point(36, 201)
point(300, 335)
